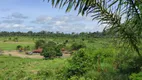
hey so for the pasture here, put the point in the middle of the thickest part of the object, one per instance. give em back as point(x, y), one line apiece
point(99, 56)
point(20, 68)
point(15, 68)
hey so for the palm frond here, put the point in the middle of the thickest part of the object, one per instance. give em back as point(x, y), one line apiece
point(111, 12)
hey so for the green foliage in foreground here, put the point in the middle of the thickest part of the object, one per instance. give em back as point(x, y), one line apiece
point(14, 68)
point(100, 60)
point(103, 64)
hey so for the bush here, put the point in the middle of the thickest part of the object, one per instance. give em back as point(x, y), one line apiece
point(77, 46)
point(39, 44)
point(18, 47)
point(58, 49)
point(15, 39)
point(136, 76)
point(48, 52)
point(83, 39)
point(65, 42)
point(44, 73)
point(79, 64)
point(130, 65)
point(26, 48)
point(51, 44)
point(4, 40)
point(9, 38)
point(91, 66)
point(51, 50)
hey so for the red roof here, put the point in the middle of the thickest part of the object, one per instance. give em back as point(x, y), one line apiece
point(38, 50)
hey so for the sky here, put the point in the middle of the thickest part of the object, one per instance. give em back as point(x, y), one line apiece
point(36, 15)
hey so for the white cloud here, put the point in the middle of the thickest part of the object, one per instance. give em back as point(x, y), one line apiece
point(15, 27)
point(67, 24)
point(44, 19)
point(58, 23)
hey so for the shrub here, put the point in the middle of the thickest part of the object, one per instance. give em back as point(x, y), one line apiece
point(4, 40)
point(39, 44)
point(18, 47)
point(48, 52)
point(79, 64)
point(27, 48)
point(51, 50)
point(66, 41)
point(58, 49)
point(77, 46)
point(9, 38)
point(136, 76)
point(83, 39)
point(15, 39)
point(51, 44)
point(130, 65)
point(44, 73)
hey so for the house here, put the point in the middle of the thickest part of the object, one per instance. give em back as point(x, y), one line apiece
point(39, 50)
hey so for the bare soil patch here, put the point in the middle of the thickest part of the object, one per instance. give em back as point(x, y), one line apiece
point(23, 55)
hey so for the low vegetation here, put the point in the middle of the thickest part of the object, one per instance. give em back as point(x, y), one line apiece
point(14, 68)
point(91, 59)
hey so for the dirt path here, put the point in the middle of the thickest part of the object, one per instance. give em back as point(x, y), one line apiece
point(23, 55)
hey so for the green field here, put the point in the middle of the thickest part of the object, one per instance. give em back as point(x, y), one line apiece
point(13, 45)
point(27, 41)
point(99, 56)
point(37, 69)
point(14, 68)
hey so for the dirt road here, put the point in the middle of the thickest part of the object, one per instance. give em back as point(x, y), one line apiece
point(23, 55)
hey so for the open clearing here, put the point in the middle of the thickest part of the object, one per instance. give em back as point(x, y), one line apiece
point(23, 55)
point(13, 45)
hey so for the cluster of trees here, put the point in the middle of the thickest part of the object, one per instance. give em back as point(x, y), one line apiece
point(50, 49)
point(51, 34)
point(53, 49)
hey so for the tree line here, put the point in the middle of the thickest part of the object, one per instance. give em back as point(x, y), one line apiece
point(54, 34)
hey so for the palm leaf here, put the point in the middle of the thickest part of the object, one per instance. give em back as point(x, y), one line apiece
point(111, 12)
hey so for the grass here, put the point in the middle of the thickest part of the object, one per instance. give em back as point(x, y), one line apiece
point(94, 43)
point(13, 45)
point(14, 68)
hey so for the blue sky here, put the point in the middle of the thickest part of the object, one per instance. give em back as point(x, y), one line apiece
point(36, 15)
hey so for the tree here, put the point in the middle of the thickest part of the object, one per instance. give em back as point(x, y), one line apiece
point(51, 50)
point(77, 45)
point(39, 44)
point(112, 13)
